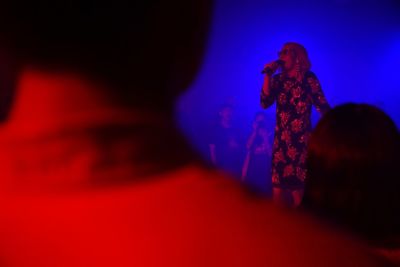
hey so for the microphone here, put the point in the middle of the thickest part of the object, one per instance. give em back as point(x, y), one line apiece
point(269, 70)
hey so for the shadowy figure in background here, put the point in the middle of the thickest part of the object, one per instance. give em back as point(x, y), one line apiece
point(353, 176)
point(256, 170)
point(226, 142)
point(295, 89)
point(93, 171)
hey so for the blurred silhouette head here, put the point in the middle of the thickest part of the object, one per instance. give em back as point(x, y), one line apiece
point(353, 178)
point(226, 113)
point(260, 117)
point(146, 51)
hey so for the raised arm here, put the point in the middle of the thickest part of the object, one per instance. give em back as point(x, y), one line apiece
point(268, 92)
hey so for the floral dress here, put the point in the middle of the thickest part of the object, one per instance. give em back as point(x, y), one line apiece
point(294, 100)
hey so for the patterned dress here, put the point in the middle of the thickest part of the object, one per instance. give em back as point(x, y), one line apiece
point(294, 100)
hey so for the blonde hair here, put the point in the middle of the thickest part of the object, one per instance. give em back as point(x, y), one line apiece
point(301, 56)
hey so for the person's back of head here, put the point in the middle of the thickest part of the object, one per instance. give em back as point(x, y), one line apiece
point(146, 51)
point(352, 163)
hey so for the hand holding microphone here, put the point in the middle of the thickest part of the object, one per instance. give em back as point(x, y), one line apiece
point(270, 68)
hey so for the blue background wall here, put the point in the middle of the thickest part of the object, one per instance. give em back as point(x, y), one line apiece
point(354, 47)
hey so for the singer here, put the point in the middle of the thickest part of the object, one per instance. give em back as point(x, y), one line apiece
point(295, 89)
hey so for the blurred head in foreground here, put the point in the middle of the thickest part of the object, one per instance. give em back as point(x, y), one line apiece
point(353, 160)
point(143, 52)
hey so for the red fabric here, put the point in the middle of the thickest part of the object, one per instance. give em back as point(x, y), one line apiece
point(188, 218)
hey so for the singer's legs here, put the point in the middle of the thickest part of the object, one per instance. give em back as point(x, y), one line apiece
point(297, 196)
point(287, 197)
point(278, 196)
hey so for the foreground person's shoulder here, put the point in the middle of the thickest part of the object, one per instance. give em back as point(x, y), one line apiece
point(257, 233)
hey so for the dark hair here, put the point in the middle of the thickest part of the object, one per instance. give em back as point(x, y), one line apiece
point(147, 51)
point(260, 113)
point(353, 179)
point(226, 106)
point(262, 125)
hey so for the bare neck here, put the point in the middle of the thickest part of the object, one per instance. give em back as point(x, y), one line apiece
point(61, 100)
point(294, 73)
point(54, 95)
